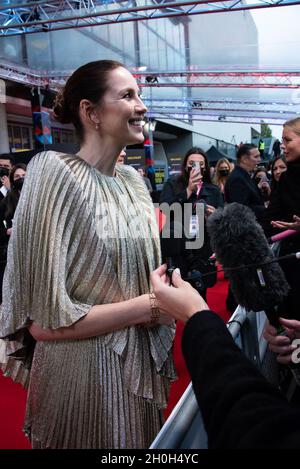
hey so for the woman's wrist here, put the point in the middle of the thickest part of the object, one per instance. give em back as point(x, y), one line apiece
point(188, 192)
point(154, 310)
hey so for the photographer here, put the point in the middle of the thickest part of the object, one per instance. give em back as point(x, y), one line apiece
point(261, 179)
point(193, 186)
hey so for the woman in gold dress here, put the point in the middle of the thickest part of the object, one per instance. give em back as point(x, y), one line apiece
point(83, 245)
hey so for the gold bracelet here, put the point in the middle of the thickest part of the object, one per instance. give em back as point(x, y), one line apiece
point(155, 312)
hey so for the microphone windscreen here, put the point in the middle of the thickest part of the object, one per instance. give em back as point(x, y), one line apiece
point(238, 240)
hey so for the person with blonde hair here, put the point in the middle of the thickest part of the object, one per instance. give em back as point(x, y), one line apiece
point(222, 171)
point(283, 213)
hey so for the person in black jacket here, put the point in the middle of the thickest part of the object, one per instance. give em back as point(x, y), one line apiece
point(240, 187)
point(192, 186)
point(284, 205)
point(240, 408)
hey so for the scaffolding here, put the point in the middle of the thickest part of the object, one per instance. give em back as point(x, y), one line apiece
point(27, 17)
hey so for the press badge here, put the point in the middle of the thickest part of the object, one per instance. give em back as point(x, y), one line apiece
point(194, 226)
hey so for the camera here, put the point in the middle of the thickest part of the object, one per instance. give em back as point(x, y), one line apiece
point(201, 273)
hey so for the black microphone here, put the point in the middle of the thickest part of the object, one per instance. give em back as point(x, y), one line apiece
point(238, 240)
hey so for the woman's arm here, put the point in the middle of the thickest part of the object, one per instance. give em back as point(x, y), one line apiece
point(102, 319)
point(283, 225)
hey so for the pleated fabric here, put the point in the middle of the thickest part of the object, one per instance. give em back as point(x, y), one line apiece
point(81, 238)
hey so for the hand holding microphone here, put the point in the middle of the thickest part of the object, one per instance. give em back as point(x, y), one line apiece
point(283, 344)
point(180, 300)
point(242, 248)
point(257, 284)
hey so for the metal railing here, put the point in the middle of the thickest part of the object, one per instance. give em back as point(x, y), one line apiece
point(184, 429)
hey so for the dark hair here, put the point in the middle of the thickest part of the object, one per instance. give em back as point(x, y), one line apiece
point(260, 169)
point(184, 177)
point(273, 181)
point(244, 150)
point(6, 156)
point(12, 198)
point(87, 82)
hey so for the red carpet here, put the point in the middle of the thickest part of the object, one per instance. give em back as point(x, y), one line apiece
point(13, 396)
point(12, 409)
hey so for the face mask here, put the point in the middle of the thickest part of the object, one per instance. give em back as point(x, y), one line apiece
point(223, 172)
point(19, 184)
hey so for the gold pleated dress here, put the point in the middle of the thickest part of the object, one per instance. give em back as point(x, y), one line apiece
point(81, 239)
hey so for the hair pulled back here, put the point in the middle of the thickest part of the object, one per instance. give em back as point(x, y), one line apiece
point(87, 82)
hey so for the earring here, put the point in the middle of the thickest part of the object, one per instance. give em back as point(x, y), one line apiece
point(97, 127)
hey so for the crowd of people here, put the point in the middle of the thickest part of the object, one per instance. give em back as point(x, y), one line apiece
point(87, 306)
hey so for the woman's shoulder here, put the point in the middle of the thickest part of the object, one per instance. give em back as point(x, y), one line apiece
point(53, 165)
point(129, 174)
point(176, 180)
point(212, 187)
point(126, 169)
point(55, 159)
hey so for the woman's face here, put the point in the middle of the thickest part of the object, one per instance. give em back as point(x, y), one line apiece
point(19, 173)
point(290, 144)
point(278, 168)
point(260, 174)
point(121, 112)
point(224, 167)
point(193, 158)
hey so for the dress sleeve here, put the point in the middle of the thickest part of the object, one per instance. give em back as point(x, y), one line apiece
point(51, 222)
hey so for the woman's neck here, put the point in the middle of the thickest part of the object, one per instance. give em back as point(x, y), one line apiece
point(100, 154)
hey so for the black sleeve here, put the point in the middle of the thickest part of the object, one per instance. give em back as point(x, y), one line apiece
point(239, 407)
point(3, 236)
point(237, 192)
point(220, 199)
point(274, 212)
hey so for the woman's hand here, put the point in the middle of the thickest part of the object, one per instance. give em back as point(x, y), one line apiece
point(9, 231)
point(282, 225)
point(209, 209)
point(264, 186)
point(282, 344)
point(194, 180)
point(180, 300)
